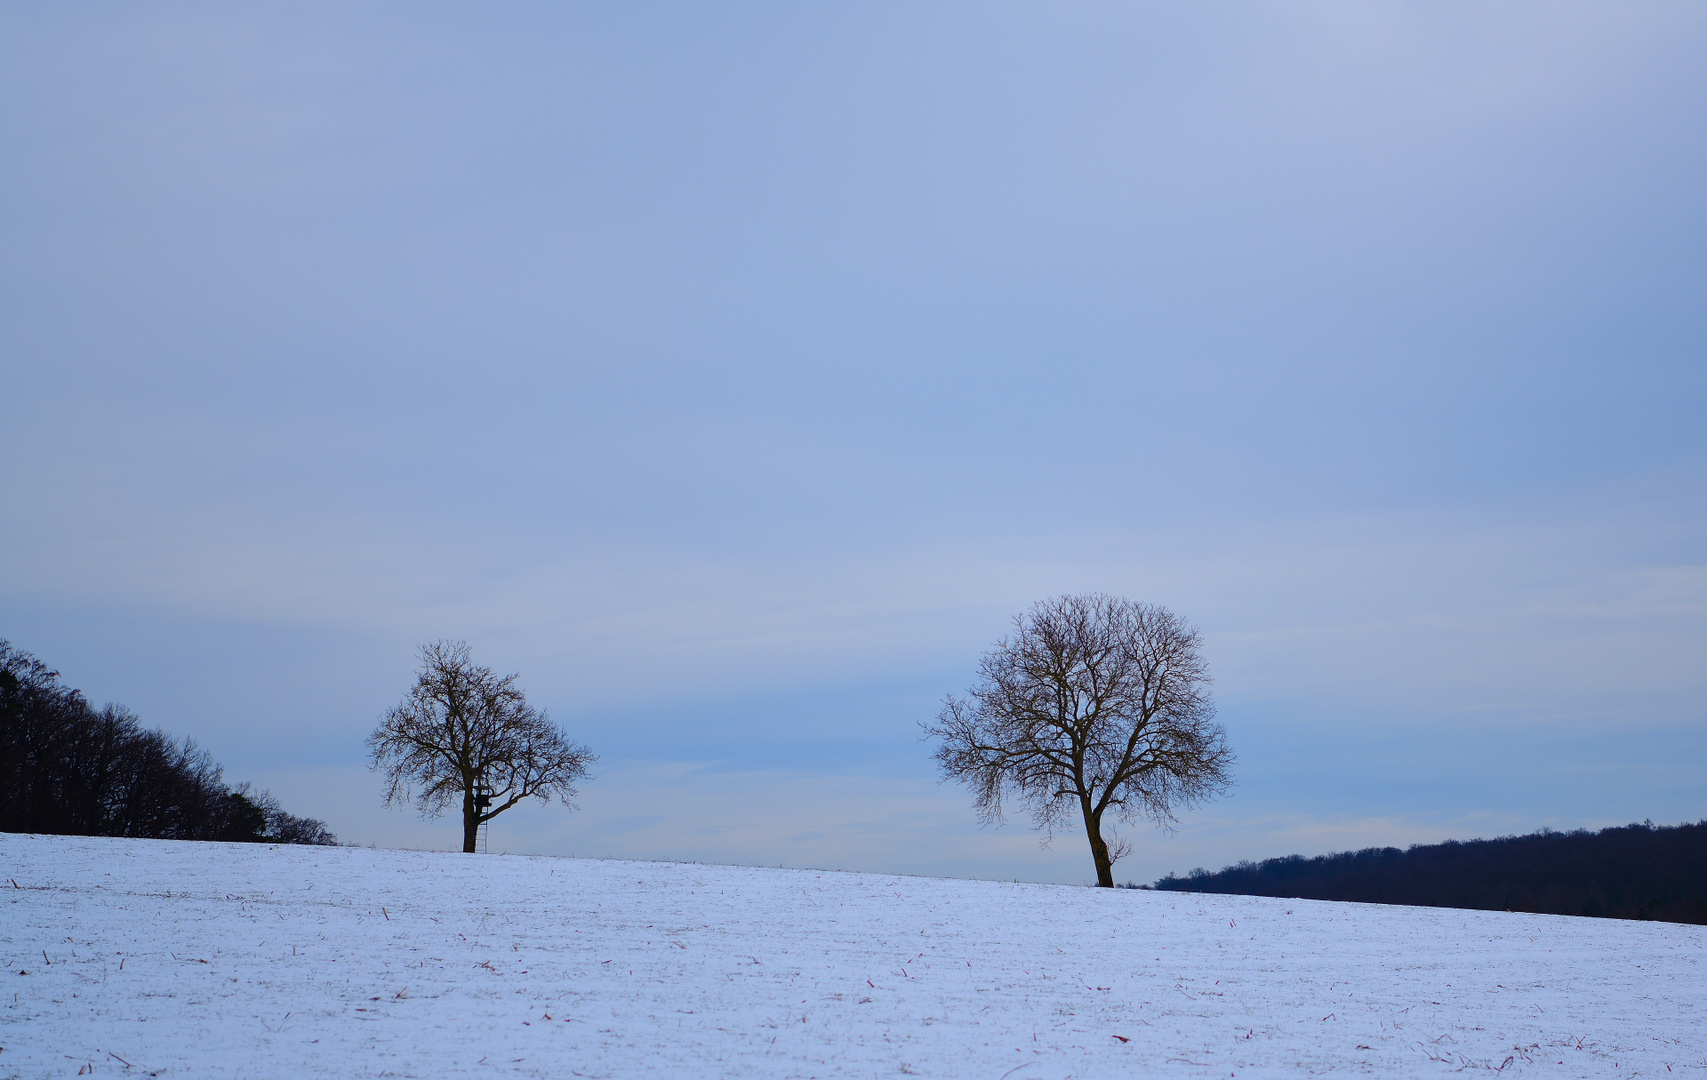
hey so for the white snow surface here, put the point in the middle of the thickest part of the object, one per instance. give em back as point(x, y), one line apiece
point(143, 957)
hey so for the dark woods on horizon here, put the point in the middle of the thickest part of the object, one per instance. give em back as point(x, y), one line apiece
point(68, 768)
point(1643, 871)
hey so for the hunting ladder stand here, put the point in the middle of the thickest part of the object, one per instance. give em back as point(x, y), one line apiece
point(482, 801)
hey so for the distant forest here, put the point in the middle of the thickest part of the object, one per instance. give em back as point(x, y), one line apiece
point(1644, 871)
point(71, 769)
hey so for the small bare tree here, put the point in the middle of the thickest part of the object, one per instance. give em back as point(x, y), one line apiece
point(465, 734)
point(1095, 706)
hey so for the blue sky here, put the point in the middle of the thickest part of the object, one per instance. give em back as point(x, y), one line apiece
point(735, 374)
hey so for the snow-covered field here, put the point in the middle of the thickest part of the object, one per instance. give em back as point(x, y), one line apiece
point(147, 957)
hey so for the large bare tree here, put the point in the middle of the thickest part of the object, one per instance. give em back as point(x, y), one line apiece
point(1095, 707)
point(466, 735)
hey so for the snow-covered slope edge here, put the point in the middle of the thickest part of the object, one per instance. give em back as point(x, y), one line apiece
point(229, 960)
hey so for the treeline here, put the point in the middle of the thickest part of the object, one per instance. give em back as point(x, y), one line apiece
point(1641, 871)
point(71, 769)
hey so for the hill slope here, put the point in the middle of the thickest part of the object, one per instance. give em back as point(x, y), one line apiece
point(237, 960)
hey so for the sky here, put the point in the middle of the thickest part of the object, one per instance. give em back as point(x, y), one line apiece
point(736, 374)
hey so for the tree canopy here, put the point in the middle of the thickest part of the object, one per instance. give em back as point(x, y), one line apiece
point(1095, 707)
point(463, 734)
point(69, 768)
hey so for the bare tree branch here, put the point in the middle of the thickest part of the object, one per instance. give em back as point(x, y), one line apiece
point(463, 730)
point(1097, 705)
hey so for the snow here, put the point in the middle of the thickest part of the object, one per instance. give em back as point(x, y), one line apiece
point(158, 957)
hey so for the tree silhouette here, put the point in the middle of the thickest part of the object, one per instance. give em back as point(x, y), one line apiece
point(463, 734)
point(1095, 707)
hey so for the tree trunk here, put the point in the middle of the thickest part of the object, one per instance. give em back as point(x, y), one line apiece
point(1099, 849)
point(470, 820)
